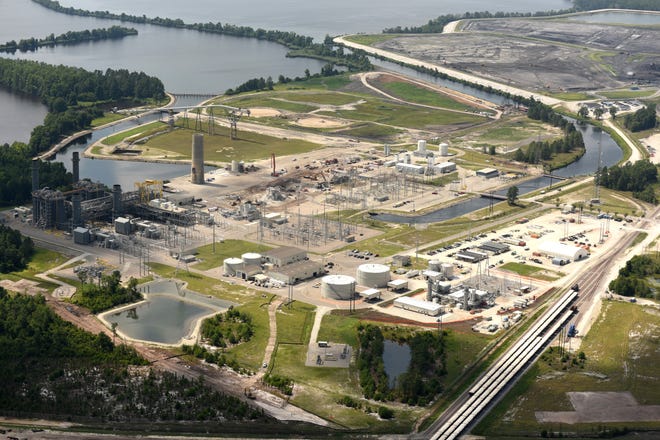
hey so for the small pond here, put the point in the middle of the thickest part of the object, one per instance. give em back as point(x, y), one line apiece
point(169, 315)
point(396, 358)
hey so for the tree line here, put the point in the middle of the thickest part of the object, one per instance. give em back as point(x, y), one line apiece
point(299, 44)
point(71, 37)
point(49, 367)
point(643, 119)
point(635, 277)
point(15, 250)
point(638, 177)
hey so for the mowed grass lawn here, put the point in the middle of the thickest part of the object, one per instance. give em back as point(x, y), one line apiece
point(42, 260)
point(221, 148)
point(622, 354)
point(422, 95)
point(528, 270)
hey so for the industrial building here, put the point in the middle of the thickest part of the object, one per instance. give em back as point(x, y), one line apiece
point(471, 256)
point(284, 255)
point(494, 247)
point(398, 285)
point(445, 167)
point(418, 306)
point(410, 168)
point(297, 271)
point(555, 249)
point(488, 173)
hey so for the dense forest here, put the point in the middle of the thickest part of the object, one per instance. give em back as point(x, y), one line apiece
point(419, 385)
point(635, 277)
point(50, 368)
point(436, 25)
point(637, 177)
point(107, 294)
point(16, 183)
point(643, 119)
point(15, 250)
point(71, 37)
point(300, 45)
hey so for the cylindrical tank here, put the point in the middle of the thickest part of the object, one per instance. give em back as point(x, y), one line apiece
point(434, 265)
point(421, 146)
point(386, 149)
point(234, 166)
point(338, 287)
point(447, 270)
point(241, 166)
point(197, 167)
point(251, 258)
point(373, 275)
point(444, 149)
point(75, 159)
point(230, 265)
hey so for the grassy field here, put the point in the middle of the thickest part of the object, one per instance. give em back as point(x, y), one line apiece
point(613, 202)
point(42, 260)
point(621, 355)
point(627, 94)
point(221, 148)
point(107, 118)
point(528, 270)
point(225, 249)
point(422, 95)
point(137, 132)
point(369, 40)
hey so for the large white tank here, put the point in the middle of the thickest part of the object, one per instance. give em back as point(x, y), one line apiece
point(251, 258)
point(373, 275)
point(444, 149)
point(421, 146)
point(338, 287)
point(230, 265)
point(447, 270)
point(197, 166)
point(434, 265)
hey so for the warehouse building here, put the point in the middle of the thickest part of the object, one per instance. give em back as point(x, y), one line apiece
point(296, 272)
point(471, 256)
point(555, 249)
point(494, 247)
point(284, 255)
point(418, 306)
point(488, 173)
point(445, 167)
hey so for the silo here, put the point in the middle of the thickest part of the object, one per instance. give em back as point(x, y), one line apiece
point(338, 287)
point(117, 208)
point(421, 146)
point(197, 171)
point(444, 149)
point(373, 275)
point(230, 265)
point(386, 149)
point(75, 159)
point(35, 174)
point(447, 270)
point(251, 258)
point(434, 265)
point(234, 166)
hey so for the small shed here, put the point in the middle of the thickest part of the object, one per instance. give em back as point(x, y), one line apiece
point(397, 285)
point(370, 294)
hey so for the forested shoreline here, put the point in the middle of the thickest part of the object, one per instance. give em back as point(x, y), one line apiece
point(68, 38)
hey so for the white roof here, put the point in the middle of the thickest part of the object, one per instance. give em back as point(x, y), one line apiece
point(562, 250)
point(422, 305)
point(370, 293)
point(397, 283)
point(373, 268)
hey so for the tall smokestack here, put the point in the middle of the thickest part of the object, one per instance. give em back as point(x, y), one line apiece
point(197, 168)
point(77, 210)
point(35, 174)
point(117, 208)
point(76, 166)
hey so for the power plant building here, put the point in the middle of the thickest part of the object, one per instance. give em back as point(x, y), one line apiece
point(418, 306)
point(285, 255)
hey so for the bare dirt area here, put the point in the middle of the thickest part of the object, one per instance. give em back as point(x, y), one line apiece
point(321, 122)
point(264, 112)
point(542, 55)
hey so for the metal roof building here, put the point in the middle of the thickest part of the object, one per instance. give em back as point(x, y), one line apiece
point(561, 250)
point(494, 247)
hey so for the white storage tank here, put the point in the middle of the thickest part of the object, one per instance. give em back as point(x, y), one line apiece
point(435, 265)
point(444, 149)
point(251, 258)
point(230, 265)
point(234, 166)
point(338, 287)
point(447, 270)
point(421, 146)
point(373, 275)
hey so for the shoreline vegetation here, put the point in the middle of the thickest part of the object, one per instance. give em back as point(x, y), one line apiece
point(68, 38)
